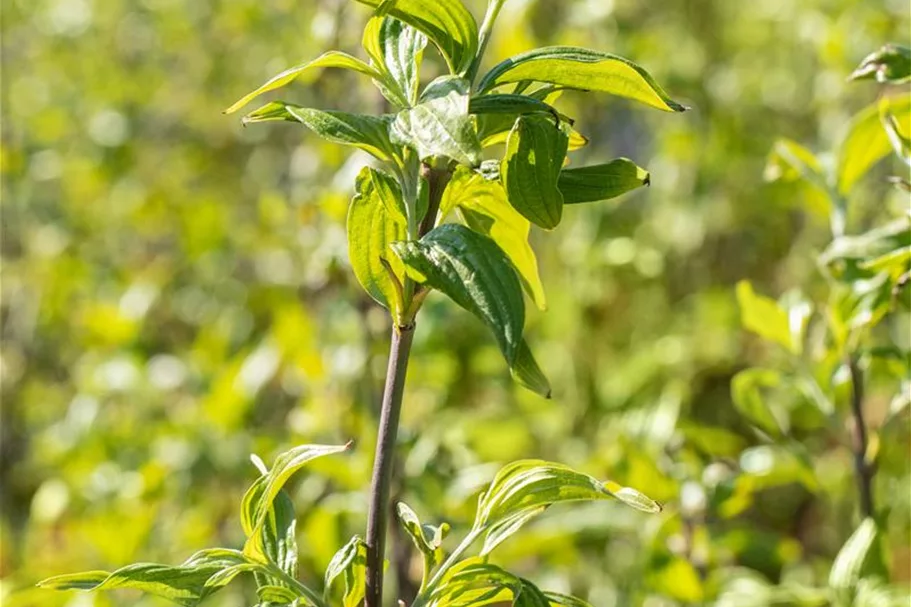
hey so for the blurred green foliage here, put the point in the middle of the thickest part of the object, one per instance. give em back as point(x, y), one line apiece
point(176, 295)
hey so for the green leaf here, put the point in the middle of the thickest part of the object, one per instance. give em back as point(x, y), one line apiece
point(890, 64)
point(526, 371)
point(484, 207)
point(849, 565)
point(894, 263)
point(746, 392)
point(276, 594)
point(258, 501)
point(510, 105)
point(525, 488)
point(396, 50)
point(790, 161)
point(350, 564)
point(564, 600)
point(764, 317)
point(447, 23)
point(867, 142)
point(473, 583)
point(582, 69)
point(535, 151)
point(375, 220)
point(475, 273)
point(185, 584)
point(369, 133)
point(440, 124)
point(601, 181)
point(426, 538)
point(330, 59)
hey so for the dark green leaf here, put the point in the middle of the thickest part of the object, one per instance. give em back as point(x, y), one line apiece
point(583, 69)
point(891, 63)
point(531, 167)
point(369, 133)
point(601, 181)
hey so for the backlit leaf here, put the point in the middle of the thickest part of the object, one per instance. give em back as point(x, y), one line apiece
point(867, 142)
point(848, 567)
point(349, 564)
point(583, 69)
point(764, 316)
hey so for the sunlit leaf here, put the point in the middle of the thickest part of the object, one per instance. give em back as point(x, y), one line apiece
point(484, 207)
point(330, 59)
point(891, 63)
point(849, 564)
point(475, 273)
point(531, 167)
point(601, 181)
point(583, 69)
point(396, 50)
point(369, 133)
point(746, 392)
point(867, 142)
point(375, 220)
point(349, 564)
point(764, 316)
point(439, 125)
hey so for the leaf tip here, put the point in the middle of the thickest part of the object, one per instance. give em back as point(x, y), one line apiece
point(350, 445)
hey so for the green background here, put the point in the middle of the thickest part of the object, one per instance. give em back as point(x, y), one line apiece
point(176, 295)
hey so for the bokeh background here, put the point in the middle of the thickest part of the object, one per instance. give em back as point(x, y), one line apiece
point(176, 295)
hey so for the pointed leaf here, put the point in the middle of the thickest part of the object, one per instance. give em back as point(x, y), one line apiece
point(396, 50)
point(426, 538)
point(891, 63)
point(350, 564)
point(526, 371)
point(867, 142)
point(601, 181)
point(475, 273)
point(764, 317)
point(330, 59)
point(562, 600)
point(531, 167)
point(583, 69)
point(484, 207)
point(369, 133)
point(849, 564)
point(440, 124)
point(375, 220)
point(746, 392)
point(447, 23)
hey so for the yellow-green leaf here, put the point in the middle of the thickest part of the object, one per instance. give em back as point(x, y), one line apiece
point(867, 142)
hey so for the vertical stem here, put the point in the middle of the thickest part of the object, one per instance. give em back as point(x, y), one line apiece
point(862, 468)
point(378, 515)
point(493, 10)
point(437, 179)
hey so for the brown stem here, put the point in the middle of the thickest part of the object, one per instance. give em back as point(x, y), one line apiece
point(399, 351)
point(863, 469)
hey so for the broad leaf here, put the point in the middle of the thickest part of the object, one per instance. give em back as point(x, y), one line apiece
point(396, 50)
point(330, 59)
point(582, 69)
point(475, 273)
point(746, 392)
point(369, 133)
point(525, 488)
point(349, 564)
point(867, 142)
point(440, 124)
point(447, 23)
point(375, 220)
point(257, 502)
point(473, 583)
point(601, 181)
point(510, 105)
point(891, 63)
point(484, 207)
point(531, 167)
point(765, 317)
point(526, 371)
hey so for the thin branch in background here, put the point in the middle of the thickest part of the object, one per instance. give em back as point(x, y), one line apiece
point(863, 469)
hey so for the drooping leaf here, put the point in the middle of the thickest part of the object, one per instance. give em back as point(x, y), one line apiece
point(330, 59)
point(531, 168)
point(867, 142)
point(525, 488)
point(447, 23)
point(891, 63)
point(746, 392)
point(257, 502)
point(526, 371)
point(396, 50)
point(475, 273)
point(582, 69)
point(369, 133)
point(440, 125)
point(484, 207)
point(349, 564)
point(601, 181)
point(185, 584)
point(510, 105)
point(375, 220)
point(764, 316)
